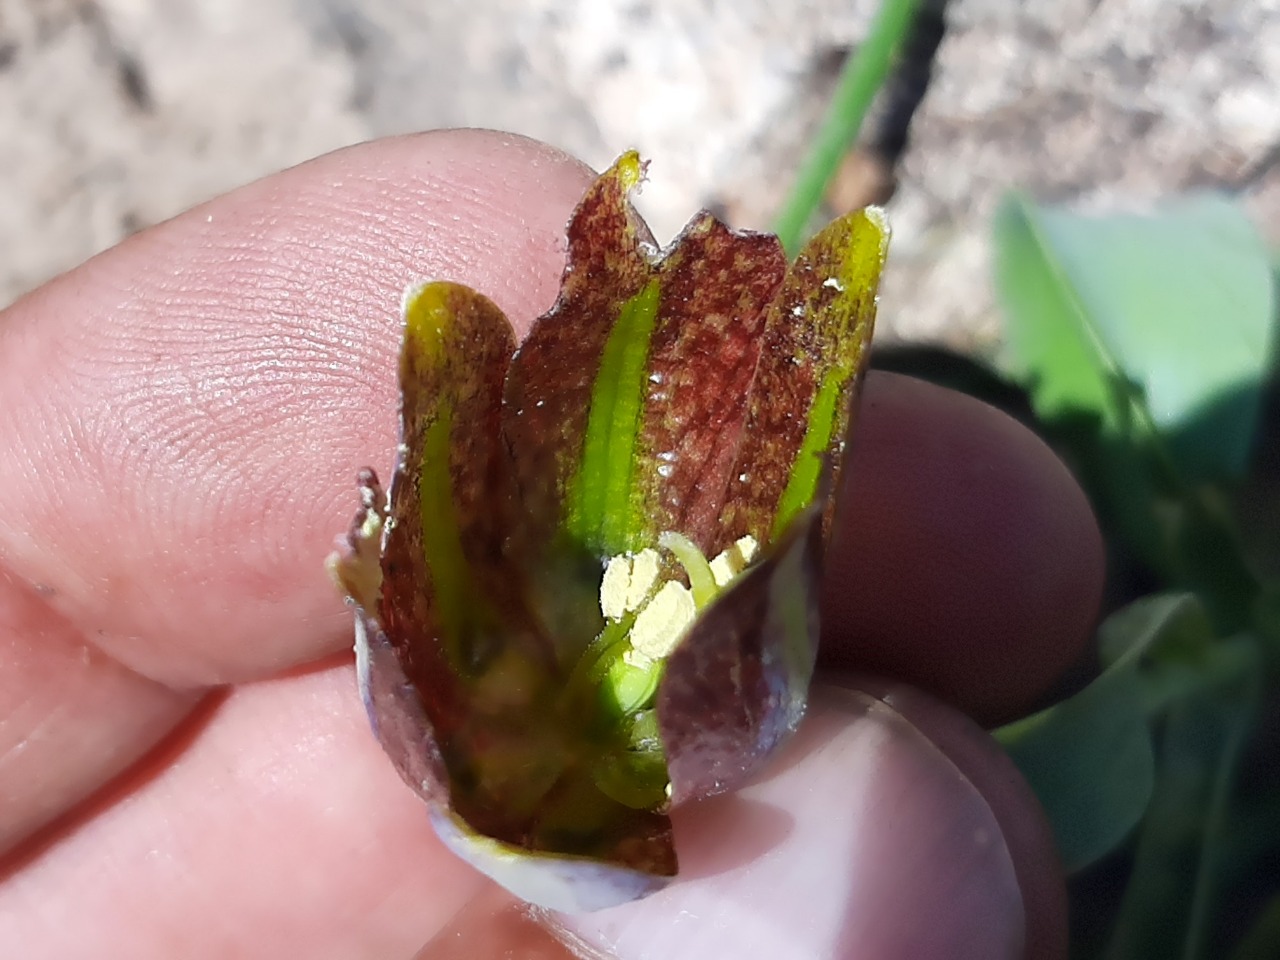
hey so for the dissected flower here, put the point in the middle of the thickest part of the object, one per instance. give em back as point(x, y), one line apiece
point(592, 591)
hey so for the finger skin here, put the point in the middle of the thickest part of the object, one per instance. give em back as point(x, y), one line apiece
point(274, 827)
point(181, 420)
point(270, 826)
point(1022, 821)
point(862, 841)
point(54, 690)
point(198, 400)
point(893, 829)
point(493, 925)
point(968, 563)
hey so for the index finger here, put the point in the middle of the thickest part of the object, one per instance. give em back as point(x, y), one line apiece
point(184, 414)
point(181, 419)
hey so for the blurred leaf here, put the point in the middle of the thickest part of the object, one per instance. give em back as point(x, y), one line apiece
point(1178, 660)
point(1050, 339)
point(1144, 342)
point(1089, 761)
point(1256, 503)
point(1076, 386)
point(1169, 903)
point(1168, 315)
point(1170, 626)
point(1089, 758)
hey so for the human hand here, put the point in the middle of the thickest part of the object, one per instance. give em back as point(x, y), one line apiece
point(185, 766)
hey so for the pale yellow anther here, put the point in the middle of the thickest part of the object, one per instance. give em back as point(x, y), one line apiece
point(627, 582)
point(663, 617)
point(644, 574)
point(371, 529)
point(734, 560)
point(614, 586)
point(634, 658)
point(663, 622)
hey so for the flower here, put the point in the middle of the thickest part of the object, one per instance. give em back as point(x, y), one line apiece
point(592, 590)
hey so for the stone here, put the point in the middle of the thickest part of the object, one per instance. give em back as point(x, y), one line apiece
point(121, 113)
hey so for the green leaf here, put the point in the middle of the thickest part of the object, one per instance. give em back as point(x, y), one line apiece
point(864, 74)
point(1089, 758)
point(1169, 661)
point(1169, 904)
point(1051, 342)
point(1167, 626)
point(1144, 341)
point(1172, 311)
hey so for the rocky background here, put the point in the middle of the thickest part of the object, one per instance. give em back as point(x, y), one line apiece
point(117, 113)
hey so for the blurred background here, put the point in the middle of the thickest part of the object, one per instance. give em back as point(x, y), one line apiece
point(120, 113)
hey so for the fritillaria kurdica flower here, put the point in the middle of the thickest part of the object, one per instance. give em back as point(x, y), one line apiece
point(592, 591)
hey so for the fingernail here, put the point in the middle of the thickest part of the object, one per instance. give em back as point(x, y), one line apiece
point(864, 841)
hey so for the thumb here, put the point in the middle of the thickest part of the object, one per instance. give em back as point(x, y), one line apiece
point(892, 828)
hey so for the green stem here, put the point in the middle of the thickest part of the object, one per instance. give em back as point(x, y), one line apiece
point(863, 75)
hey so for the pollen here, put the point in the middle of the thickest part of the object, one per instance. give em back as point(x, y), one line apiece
point(662, 623)
point(627, 582)
point(663, 611)
point(644, 574)
point(734, 560)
